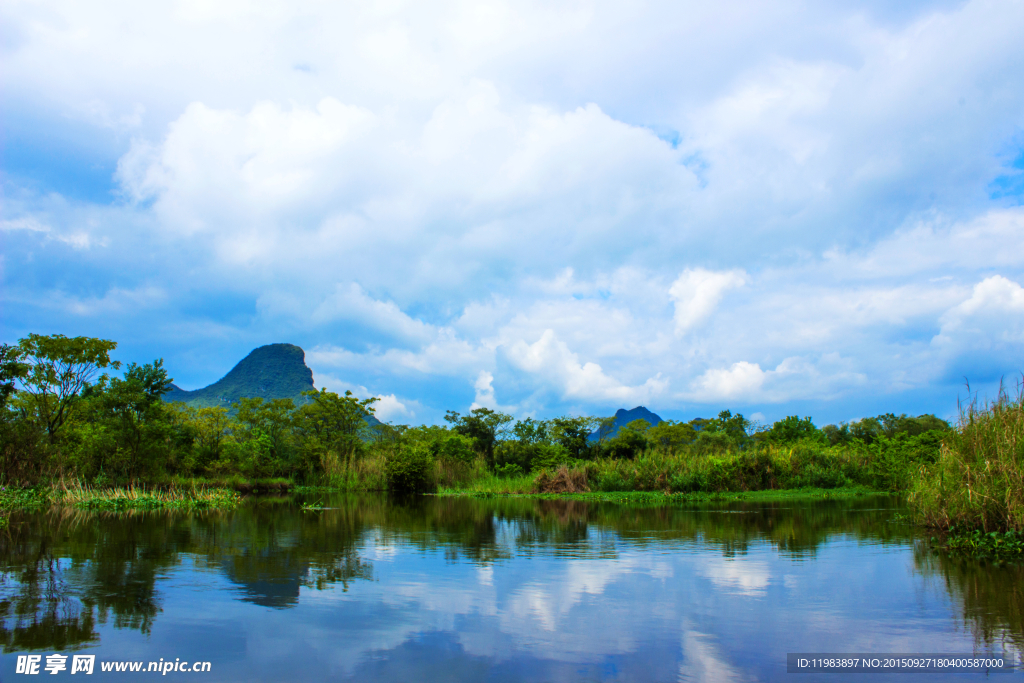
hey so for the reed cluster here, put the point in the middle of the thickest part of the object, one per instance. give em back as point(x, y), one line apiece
point(977, 481)
point(141, 498)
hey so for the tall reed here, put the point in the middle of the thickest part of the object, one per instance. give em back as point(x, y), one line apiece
point(977, 481)
point(136, 497)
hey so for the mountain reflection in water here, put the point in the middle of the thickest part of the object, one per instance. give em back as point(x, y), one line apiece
point(506, 589)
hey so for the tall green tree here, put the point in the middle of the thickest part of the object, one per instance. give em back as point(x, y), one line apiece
point(572, 433)
point(333, 428)
point(266, 431)
point(485, 426)
point(209, 430)
point(139, 422)
point(671, 436)
point(58, 369)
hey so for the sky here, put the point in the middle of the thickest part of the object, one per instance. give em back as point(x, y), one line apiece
point(543, 208)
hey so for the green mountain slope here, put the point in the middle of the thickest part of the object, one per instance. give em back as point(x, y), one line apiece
point(272, 371)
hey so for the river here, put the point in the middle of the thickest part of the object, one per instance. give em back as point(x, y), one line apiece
point(501, 589)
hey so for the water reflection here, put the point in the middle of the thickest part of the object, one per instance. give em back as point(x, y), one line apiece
point(500, 588)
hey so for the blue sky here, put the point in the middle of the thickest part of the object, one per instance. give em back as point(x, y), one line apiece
point(779, 208)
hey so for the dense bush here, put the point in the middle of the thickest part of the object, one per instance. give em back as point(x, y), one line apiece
point(410, 470)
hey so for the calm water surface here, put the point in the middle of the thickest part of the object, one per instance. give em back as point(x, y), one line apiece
point(495, 590)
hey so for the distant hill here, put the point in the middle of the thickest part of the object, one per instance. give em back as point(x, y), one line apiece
point(272, 371)
point(623, 417)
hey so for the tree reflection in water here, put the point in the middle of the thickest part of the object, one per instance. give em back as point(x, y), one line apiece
point(64, 572)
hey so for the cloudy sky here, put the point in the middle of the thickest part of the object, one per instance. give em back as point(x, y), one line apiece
point(777, 208)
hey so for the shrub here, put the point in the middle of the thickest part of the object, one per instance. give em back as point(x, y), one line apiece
point(410, 469)
point(508, 470)
point(564, 480)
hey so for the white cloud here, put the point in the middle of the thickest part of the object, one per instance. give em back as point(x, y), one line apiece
point(388, 409)
point(749, 577)
point(550, 358)
point(76, 239)
point(993, 295)
point(739, 380)
point(538, 194)
point(697, 292)
point(986, 329)
point(352, 303)
point(484, 392)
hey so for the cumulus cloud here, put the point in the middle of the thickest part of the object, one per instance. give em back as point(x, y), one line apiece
point(389, 409)
point(697, 292)
point(983, 335)
point(551, 358)
point(741, 378)
point(484, 392)
point(534, 195)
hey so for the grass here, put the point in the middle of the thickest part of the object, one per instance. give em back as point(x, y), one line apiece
point(489, 484)
point(977, 482)
point(118, 498)
point(140, 498)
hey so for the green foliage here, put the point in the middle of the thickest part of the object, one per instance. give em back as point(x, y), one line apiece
point(671, 436)
point(208, 435)
point(977, 479)
point(134, 419)
point(996, 545)
point(793, 429)
point(58, 369)
point(410, 469)
point(572, 434)
point(11, 369)
point(888, 425)
point(630, 441)
point(332, 430)
point(265, 436)
point(485, 426)
point(507, 470)
point(13, 498)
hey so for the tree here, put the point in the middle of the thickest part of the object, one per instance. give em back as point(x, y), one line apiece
point(631, 440)
point(572, 433)
point(139, 420)
point(267, 426)
point(670, 436)
point(794, 428)
point(58, 369)
point(210, 432)
point(333, 428)
point(530, 431)
point(605, 425)
point(11, 370)
point(484, 425)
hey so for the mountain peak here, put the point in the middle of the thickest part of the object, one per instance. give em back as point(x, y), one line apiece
point(271, 371)
point(623, 417)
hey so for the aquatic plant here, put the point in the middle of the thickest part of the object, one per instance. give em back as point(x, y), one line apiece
point(993, 544)
point(977, 481)
point(136, 498)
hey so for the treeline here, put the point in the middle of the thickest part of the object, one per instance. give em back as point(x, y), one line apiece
point(66, 416)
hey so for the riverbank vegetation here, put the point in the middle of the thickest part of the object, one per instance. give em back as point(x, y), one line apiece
point(977, 481)
point(67, 415)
